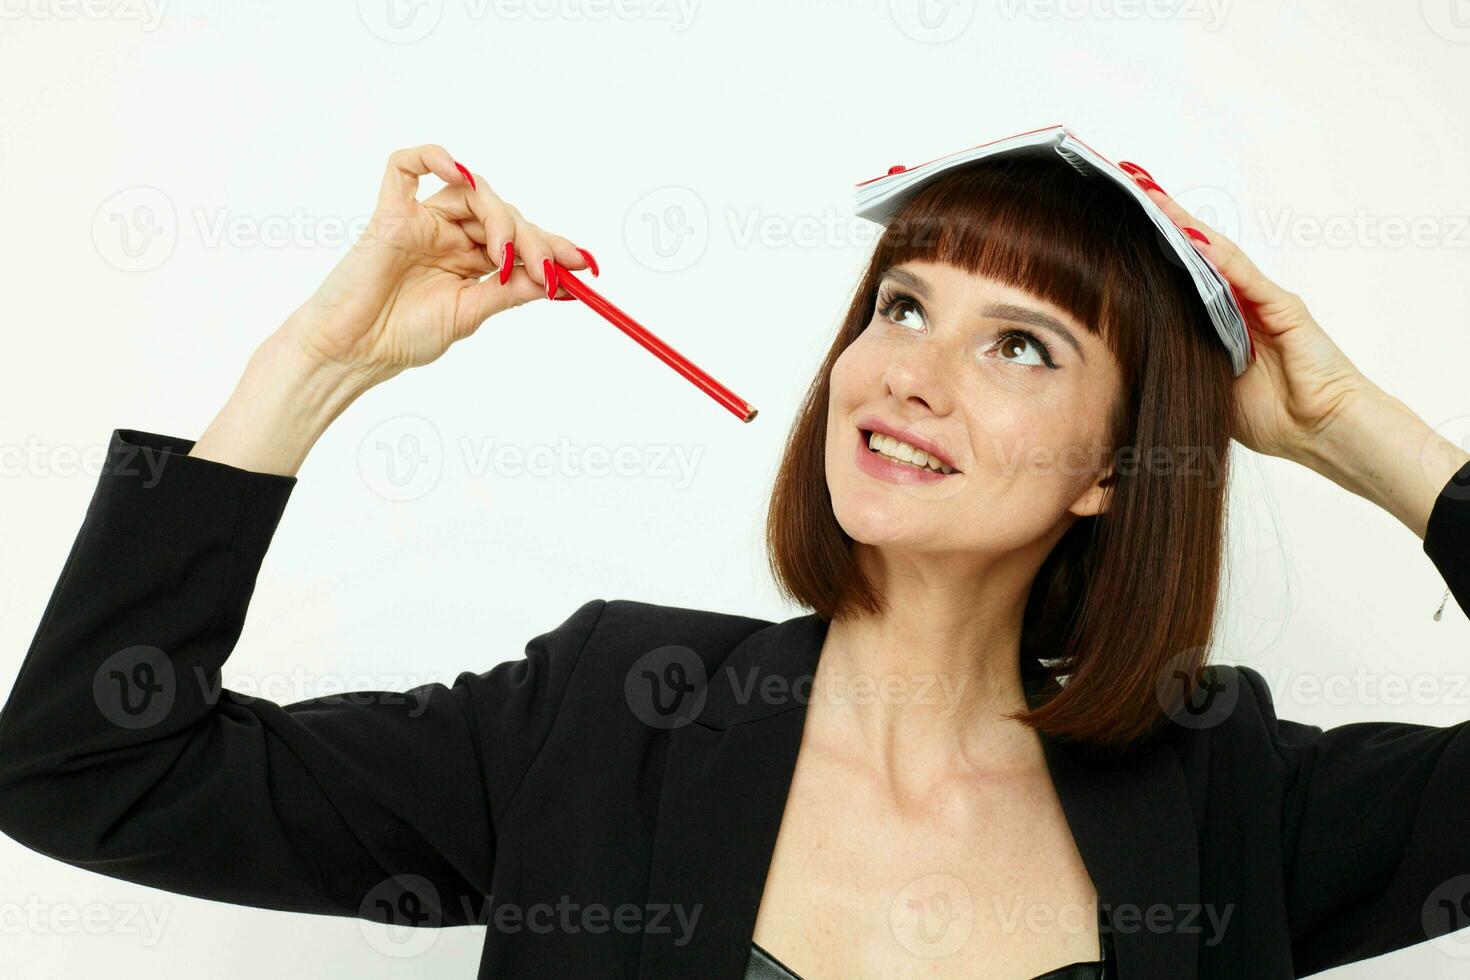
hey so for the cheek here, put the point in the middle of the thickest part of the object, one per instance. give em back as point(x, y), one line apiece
point(1028, 470)
point(855, 371)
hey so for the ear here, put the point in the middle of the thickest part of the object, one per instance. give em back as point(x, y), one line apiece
point(1096, 498)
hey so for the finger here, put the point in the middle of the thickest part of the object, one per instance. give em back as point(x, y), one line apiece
point(483, 299)
point(485, 217)
point(565, 252)
point(473, 230)
point(1249, 282)
point(400, 186)
point(570, 257)
point(532, 249)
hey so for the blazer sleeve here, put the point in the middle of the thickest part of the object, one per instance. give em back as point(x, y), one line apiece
point(1376, 815)
point(120, 752)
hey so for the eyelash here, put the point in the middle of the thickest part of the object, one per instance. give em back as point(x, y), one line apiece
point(889, 298)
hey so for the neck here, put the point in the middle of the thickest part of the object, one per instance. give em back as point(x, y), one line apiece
point(921, 689)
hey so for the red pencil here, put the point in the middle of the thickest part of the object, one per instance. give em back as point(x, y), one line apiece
point(661, 350)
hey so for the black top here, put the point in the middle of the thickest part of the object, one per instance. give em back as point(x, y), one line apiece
point(762, 965)
point(607, 804)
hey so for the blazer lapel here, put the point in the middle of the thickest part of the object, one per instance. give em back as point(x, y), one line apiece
point(728, 771)
point(726, 777)
point(1134, 828)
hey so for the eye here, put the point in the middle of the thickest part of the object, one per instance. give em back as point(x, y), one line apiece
point(902, 304)
point(1029, 348)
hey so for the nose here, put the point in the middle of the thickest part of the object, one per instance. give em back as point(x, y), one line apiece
point(914, 379)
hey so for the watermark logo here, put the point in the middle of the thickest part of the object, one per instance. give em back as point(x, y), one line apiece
point(1212, 205)
point(1450, 19)
point(667, 687)
point(932, 916)
point(136, 229)
point(932, 21)
point(408, 905)
point(402, 458)
point(400, 21)
point(1446, 915)
point(1197, 701)
point(135, 687)
point(148, 13)
point(34, 917)
point(667, 229)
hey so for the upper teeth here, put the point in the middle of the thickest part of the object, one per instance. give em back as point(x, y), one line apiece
point(904, 453)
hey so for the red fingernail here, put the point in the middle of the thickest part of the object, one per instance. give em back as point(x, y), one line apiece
point(1197, 235)
point(1134, 168)
point(1149, 185)
point(568, 296)
point(467, 175)
point(508, 262)
point(591, 262)
point(549, 269)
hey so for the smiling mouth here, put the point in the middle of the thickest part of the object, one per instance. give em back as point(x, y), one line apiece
point(898, 451)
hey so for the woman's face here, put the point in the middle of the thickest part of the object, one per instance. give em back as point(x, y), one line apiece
point(1006, 389)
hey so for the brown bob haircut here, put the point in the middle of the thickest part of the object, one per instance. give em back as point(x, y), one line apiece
point(1122, 610)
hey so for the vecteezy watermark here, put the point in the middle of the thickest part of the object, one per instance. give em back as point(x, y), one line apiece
point(400, 21)
point(1193, 462)
point(409, 692)
point(1010, 459)
point(1017, 913)
point(668, 687)
point(401, 915)
point(148, 14)
point(1161, 918)
point(411, 908)
point(1357, 228)
point(1197, 700)
point(568, 916)
point(667, 229)
point(1363, 229)
point(138, 229)
point(565, 458)
point(34, 917)
point(138, 687)
point(35, 458)
point(1362, 687)
point(135, 687)
point(932, 916)
point(836, 687)
point(1445, 916)
point(1450, 19)
point(938, 21)
point(830, 229)
point(932, 21)
point(403, 458)
point(1208, 13)
point(407, 21)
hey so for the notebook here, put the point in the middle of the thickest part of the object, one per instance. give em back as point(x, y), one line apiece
point(879, 199)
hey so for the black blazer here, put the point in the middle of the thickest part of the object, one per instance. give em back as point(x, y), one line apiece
point(619, 789)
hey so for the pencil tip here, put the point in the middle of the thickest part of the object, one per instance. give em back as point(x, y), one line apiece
point(750, 416)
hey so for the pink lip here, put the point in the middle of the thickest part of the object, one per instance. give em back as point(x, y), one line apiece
point(874, 424)
point(880, 466)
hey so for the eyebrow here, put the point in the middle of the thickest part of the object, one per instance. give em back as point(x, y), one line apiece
point(998, 311)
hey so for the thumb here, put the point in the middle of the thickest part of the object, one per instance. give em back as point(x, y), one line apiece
point(484, 298)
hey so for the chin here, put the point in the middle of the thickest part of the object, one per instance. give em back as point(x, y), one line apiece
point(876, 518)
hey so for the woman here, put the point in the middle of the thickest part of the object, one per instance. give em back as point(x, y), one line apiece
point(1002, 500)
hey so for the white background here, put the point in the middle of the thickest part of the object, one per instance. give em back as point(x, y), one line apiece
point(706, 154)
